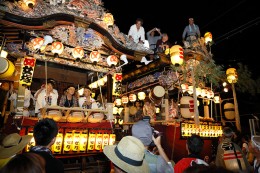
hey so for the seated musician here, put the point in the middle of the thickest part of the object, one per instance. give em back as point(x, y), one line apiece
point(87, 101)
point(69, 99)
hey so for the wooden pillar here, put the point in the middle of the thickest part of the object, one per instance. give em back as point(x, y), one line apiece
point(109, 88)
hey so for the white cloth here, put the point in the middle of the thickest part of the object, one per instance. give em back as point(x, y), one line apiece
point(37, 106)
point(41, 100)
point(93, 105)
point(136, 34)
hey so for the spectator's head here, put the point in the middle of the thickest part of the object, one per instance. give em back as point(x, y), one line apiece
point(165, 37)
point(191, 21)
point(13, 144)
point(143, 131)
point(71, 90)
point(87, 92)
point(25, 163)
point(45, 132)
point(139, 22)
point(195, 144)
point(228, 132)
point(128, 155)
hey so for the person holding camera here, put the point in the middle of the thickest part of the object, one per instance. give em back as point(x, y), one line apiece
point(145, 133)
point(152, 38)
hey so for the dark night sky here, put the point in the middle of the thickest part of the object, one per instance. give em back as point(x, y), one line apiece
point(234, 24)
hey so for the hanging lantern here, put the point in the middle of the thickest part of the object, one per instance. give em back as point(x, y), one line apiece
point(157, 110)
point(232, 75)
point(7, 68)
point(83, 141)
point(204, 93)
point(176, 48)
point(118, 102)
point(190, 89)
point(208, 37)
point(37, 43)
point(95, 56)
point(177, 58)
point(187, 107)
point(141, 95)
point(124, 99)
point(78, 52)
point(57, 47)
point(112, 139)
point(132, 97)
point(112, 60)
point(98, 143)
point(105, 140)
point(108, 19)
point(58, 143)
point(68, 140)
point(76, 140)
point(216, 99)
point(229, 111)
point(91, 141)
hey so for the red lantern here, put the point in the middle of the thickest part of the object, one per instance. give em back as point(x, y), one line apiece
point(132, 97)
point(57, 47)
point(78, 52)
point(37, 42)
point(112, 60)
point(125, 99)
point(95, 56)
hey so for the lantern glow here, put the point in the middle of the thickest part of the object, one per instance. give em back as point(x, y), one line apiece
point(141, 95)
point(125, 99)
point(57, 47)
point(231, 75)
point(112, 60)
point(78, 52)
point(95, 56)
point(108, 19)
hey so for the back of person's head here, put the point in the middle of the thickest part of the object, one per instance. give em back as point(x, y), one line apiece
point(195, 144)
point(25, 163)
point(228, 132)
point(44, 131)
point(143, 131)
point(206, 169)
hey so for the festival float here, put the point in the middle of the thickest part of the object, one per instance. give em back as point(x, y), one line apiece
point(77, 42)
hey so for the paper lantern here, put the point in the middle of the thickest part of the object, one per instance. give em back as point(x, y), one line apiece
point(76, 141)
point(177, 58)
point(118, 102)
point(176, 48)
point(108, 19)
point(112, 60)
point(232, 75)
point(141, 95)
point(105, 140)
point(68, 140)
point(112, 139)
point(57, 47)
point(7, 68)
point(37, 42)
point(229, 111)
point(83, 141)
point(187, 106)
point(98, 143)
point(27, 70)
point(58, 143)
point(208, 37)
point(91, 141)
point(78, 52)
point(204, 93)
point(124, 99)
point(95, 56)
point(216, 99)
point(132, 97)
point(190, 89)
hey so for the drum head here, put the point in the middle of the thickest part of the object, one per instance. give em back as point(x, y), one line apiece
point(95, 117)
point(54, 114)
point(75, 117)
point(159, 91)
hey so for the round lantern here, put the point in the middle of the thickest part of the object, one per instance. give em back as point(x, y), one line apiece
point(187, 106)
point(176, 48)
point(37, 42)
point(232, 75)
point(112, 60)
point(141, 95)
point(47, 39)
point(208, 37)
point(57, 47)
point(229, 111)
point(108, 19)
point(124, 99)
point(6, 68)
point(78, 52)
point(177, 58)
point(95, 56)
point(118, 102)
point(132, 97)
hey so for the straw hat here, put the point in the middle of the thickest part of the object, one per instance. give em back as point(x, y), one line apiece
point(256, 141)
point(128, 155)
point(12, 144)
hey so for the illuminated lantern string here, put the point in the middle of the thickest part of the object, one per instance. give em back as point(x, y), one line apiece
point(105, 140)
point(68, 140)
point(78, 52)
point(95, 56)
point(76, 142)
point(57, 47)
point(83, 141)
point(37, 43)
point(58, 143)
point(112, 60)
point(112, 139)
point(99, 139)
point(91, 141)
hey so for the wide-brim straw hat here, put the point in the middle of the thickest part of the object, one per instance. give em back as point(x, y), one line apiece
point(128, 155)
point(13, 144)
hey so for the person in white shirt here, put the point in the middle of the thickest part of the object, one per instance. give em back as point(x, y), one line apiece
point(136, 32)
point(87, 101)
point(46, 97)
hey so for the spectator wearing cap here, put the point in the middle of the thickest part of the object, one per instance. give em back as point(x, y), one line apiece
point(157, 163)
point(127, 155)
point(191, 31)
point(11, 145)
point(194, 146)
point(44, 133)
point(46, 96)
point(254, 146)
point(87, 101)
point(229, 154)
point(69, 99)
